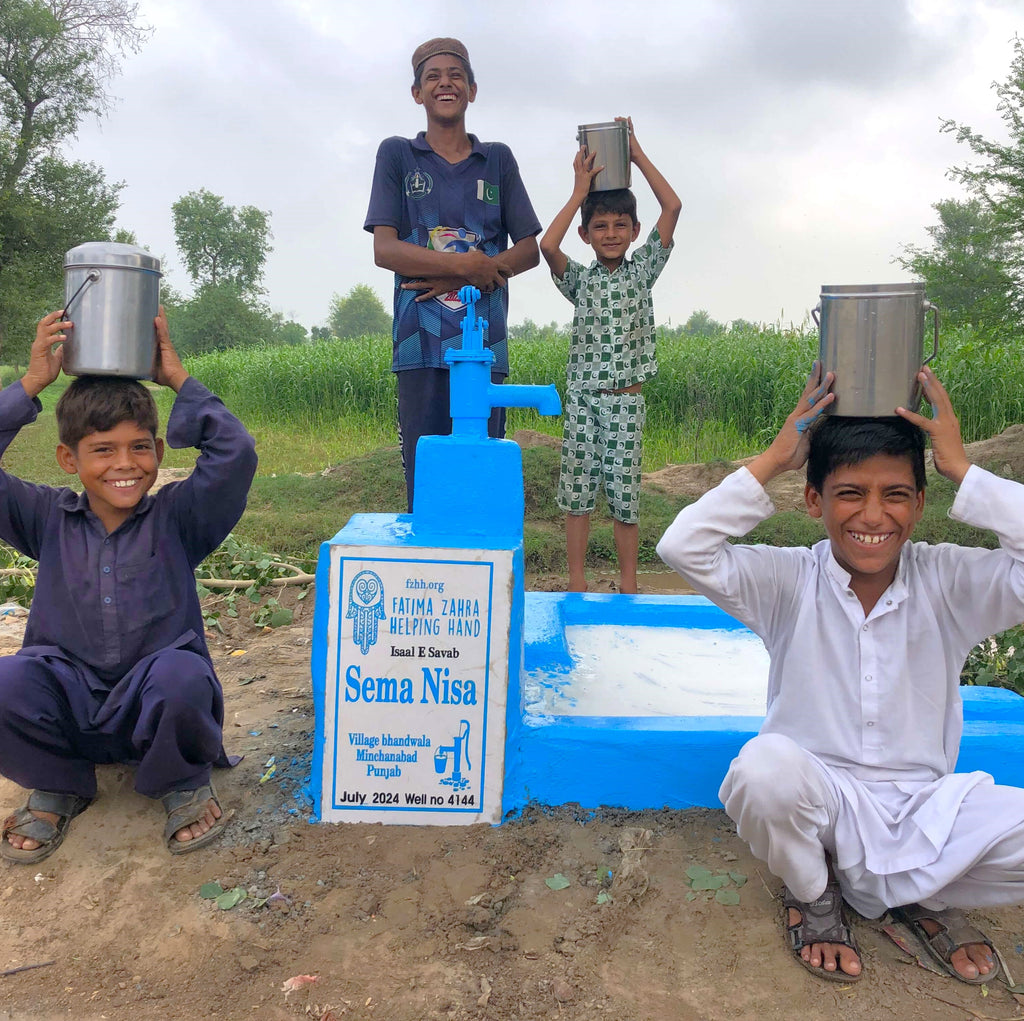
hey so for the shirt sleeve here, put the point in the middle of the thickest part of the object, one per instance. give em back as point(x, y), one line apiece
point(24, 506)
point(749, 582)
point(517, 210)
point(650, 258)
point(386, 196)
point(983, 588)
point(208, 504)
point(569, 282)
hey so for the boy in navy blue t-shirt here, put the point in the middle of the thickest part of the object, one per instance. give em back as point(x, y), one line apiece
point(443, 208)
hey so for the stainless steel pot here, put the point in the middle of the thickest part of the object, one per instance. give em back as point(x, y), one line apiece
point(112, 295)
point(610, 140)
point(872, 338)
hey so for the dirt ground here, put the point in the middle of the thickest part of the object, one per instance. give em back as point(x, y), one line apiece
point(413, 923)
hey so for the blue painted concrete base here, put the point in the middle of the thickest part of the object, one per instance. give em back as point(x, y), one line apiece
point(675, 762)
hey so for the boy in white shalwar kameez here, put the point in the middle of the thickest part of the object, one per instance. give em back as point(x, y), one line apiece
point(848, 791)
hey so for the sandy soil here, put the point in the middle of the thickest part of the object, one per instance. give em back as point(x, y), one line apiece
point(407, 924)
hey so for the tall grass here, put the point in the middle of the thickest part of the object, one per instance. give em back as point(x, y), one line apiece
point(714, 397)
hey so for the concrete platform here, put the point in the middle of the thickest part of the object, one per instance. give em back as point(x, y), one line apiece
point(655, 761)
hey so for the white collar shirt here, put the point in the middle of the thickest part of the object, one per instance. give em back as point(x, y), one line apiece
point(873, 696)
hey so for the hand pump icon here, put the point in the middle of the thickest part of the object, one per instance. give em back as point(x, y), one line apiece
point(458, 749)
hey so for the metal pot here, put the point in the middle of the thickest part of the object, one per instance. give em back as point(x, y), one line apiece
point(872, 338)
point(610, 140)
point(112, 295)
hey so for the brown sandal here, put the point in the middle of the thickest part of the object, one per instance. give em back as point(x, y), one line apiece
point(186, 807)
point(821, 921)
point(954, 932)
point(48, 835)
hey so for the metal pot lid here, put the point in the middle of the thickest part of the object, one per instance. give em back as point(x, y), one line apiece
point(872, 290)
point(111, 253)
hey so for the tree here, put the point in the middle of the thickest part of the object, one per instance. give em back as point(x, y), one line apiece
point(700, 324)
point(965, 269)
point(56, 57)
point(221, 244)
point(359, 314)
point(979, 248)
point(37, 226)
point(219, 316)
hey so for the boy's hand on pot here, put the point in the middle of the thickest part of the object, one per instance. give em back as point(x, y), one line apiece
point(169, 370)
point(943, 427)
point(789, 449)
point(584, 170)
point(45, 360)
point(634, 145)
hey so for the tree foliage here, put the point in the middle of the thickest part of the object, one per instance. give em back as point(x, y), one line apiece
point(216, 317)
point(975, 266)
point(700, 324)
point(221, 244)
point(56, 58)
point(220, 316)
point(358, 314)
point(965, 268)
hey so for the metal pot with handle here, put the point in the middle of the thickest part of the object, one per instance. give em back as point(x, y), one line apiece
point(112, 295)
point(872, 338)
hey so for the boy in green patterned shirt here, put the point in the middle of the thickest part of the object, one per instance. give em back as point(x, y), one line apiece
point(611, 353)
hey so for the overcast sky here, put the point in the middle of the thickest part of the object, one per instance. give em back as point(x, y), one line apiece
point(802, 135)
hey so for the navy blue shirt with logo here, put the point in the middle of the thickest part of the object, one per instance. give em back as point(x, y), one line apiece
point(479, 202)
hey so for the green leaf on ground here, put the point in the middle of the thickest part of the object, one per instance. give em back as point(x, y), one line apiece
point(727, 897)
point(691, 896)
point(209, 891)
point(710, 882)
point(738, 878)
point(557, 882)
point(697, 872)
point(229, 899)
point(604, 897)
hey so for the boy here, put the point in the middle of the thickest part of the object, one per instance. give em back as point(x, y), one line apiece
point(849, 790)
point(114, 666)
point(610, 355)
point(443, 208)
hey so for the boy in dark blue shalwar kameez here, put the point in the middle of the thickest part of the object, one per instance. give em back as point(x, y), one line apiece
point(114, 666)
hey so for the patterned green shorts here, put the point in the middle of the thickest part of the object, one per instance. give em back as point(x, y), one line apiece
point(601, 440)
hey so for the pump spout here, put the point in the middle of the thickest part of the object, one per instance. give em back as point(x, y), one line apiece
point(515, 395)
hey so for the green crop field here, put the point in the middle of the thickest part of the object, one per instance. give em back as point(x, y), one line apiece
point(714, 397)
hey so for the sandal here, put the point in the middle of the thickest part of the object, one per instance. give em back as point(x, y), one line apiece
point(47, 834)
point(821, 921)
point(186, 807)
point(954, 932)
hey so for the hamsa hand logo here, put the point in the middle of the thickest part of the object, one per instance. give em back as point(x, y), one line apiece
point(365, 608)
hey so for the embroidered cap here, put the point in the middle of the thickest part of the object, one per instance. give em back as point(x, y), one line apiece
point(433, 47)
